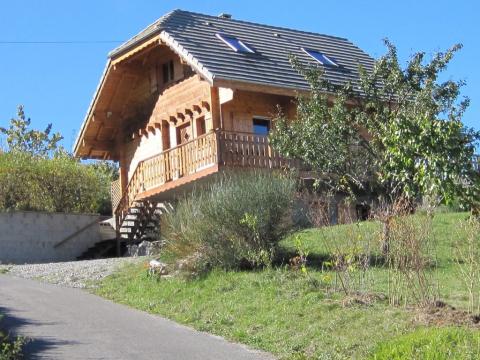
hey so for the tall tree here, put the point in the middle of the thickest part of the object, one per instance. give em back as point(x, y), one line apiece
point(21, 138)
point(398, 131)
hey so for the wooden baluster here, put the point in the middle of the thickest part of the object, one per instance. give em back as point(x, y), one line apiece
point(168, 164)
point(189, 163)
point(183, 159)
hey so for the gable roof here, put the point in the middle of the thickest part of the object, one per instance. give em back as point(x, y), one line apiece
point(193, 37)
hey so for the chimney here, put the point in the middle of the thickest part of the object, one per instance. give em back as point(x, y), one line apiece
point(225, 16)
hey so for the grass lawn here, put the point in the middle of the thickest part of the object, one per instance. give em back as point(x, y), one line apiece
point(283, 311)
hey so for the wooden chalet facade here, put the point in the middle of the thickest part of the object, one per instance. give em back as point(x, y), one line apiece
point(193, 94)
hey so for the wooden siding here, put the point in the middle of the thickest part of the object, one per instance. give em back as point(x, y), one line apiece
point(238, 113)
point(182, 96)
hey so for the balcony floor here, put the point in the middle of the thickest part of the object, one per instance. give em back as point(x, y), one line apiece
point(180, 186)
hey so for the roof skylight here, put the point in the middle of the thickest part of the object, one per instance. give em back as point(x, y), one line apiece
point(320, 57)
point(235, 44)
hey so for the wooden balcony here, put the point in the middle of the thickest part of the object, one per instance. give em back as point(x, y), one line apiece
point(163, 176)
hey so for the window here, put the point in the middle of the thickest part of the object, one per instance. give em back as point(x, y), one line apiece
point(320, 57)
point(261, 126)
point(235, 44)
point(201, 126)
point(184, 133)
point(168, 72)
point(165, 135)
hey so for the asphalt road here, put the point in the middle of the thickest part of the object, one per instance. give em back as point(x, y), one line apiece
point(67, 323)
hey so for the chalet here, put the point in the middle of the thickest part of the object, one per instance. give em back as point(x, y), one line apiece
point(193, 94)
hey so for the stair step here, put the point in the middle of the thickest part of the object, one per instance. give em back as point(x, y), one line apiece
point(141, 222)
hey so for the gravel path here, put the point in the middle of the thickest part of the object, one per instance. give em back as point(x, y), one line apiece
point(76, 274)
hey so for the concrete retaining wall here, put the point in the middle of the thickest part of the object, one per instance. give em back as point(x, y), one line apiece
point(31, 237)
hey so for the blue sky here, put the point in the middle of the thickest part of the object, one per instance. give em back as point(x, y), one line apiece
point(56, 82)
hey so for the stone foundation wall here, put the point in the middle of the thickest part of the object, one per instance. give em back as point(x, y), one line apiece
point(36, 237)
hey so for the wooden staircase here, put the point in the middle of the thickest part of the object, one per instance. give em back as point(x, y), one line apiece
point(142, 222)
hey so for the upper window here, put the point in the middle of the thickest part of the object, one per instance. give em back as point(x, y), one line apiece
point(168, 71)
point(235, 44)
point(320, 57)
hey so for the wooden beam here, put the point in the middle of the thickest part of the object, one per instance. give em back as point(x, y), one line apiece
point(266, 89)
point(206, 105)
point(173, 119)
point(180, 116)
point(189, 112)
point(197, 108)
point(151, 129)
point(215, 110)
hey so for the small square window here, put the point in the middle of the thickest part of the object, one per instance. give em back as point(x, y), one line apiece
point(261, 126)
point(235, 44)
point(168, 71)
point(320, 57)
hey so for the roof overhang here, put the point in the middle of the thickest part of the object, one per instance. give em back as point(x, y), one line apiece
point(257, 87)
point(86, 120)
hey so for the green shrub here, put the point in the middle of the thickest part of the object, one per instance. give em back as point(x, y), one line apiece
point(59, 184)
point(10, 348)
point(235, 221)
point(431, 344)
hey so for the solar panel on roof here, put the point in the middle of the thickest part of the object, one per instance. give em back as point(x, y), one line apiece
point(320, 57)
point(235, 44)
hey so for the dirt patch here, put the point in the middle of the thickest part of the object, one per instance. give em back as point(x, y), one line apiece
point(442, 314)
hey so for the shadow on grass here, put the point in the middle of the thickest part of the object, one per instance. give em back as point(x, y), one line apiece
point(34, 348)
point(317, 260)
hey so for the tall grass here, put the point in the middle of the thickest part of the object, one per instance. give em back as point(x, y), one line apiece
point(431, 344)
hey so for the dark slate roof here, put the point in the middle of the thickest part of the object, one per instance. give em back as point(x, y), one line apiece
point(192, 35)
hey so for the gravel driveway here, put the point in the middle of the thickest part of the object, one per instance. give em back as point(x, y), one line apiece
point(76, 274)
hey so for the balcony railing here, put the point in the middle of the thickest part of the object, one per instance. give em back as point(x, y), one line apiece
point(222, 148)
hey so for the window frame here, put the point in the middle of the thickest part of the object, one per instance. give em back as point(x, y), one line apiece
point(244, 48)
point(329, 61)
